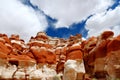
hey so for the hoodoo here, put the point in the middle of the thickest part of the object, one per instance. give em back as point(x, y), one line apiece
point(49, 58)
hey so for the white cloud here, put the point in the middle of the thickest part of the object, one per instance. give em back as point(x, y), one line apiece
point(16, 18)
point(68, 12)
point(109, 20)
point(20, 19)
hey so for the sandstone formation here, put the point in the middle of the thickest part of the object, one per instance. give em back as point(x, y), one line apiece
point(47, 58)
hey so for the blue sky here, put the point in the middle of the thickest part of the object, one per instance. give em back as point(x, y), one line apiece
point(66, 32)
point(59, 18)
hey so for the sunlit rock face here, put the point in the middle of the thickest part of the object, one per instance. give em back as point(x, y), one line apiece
point(87, 46)
point(100, 53)
point(113, 58)
point(101, 56)
point(72, 68)
point(42, 55)
point(74, 52)
point(48, 58)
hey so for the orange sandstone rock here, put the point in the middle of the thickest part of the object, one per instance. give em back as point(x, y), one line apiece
point(113, 58)
point(4, 49)
point(99, 55)
point(43, 55)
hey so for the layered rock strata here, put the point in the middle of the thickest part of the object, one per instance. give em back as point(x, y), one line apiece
point(47, 58)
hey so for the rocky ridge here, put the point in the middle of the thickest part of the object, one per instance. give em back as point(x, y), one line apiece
point(47, 58)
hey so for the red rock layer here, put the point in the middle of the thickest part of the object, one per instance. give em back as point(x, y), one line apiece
point(101, 55)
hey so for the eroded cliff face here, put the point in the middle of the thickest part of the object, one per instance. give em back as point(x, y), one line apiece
point(47, 58)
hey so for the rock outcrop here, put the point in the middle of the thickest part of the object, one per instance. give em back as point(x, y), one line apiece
point(47, 58)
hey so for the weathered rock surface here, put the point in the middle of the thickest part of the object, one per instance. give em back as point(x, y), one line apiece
point(47, 58)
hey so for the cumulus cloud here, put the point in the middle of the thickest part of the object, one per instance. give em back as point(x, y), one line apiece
point(68, 12)
point(16, 18)
point(109, 20)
